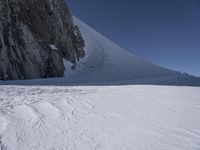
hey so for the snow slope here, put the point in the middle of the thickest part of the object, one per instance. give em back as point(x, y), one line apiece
point(132, 117)
point(107, 62)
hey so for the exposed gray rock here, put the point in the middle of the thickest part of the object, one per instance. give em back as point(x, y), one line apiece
point(27, 29)
point(2, 147)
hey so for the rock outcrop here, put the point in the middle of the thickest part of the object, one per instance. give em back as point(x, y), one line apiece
point(29, 29)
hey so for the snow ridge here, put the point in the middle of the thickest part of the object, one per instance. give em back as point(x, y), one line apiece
point(107, 62)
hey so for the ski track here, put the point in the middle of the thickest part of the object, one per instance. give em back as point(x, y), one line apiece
point(99, 118)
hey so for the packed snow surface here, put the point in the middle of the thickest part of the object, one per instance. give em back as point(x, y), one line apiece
point(135, 117)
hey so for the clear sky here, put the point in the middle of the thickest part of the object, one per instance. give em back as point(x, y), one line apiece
point(165, 32)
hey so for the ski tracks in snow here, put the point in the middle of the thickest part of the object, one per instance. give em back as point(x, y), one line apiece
point(99, 118)
point(39, 115)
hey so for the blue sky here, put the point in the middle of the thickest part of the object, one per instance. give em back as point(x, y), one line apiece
point(165, 32)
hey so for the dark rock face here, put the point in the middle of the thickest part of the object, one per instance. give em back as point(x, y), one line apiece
point(28, 31)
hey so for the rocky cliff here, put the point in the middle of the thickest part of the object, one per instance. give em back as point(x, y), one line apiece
point(35, 36)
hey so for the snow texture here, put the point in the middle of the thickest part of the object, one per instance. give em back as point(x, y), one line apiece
point(53, 47)
point(137, 117)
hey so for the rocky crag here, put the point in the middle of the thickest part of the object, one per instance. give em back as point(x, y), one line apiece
point(35, 37)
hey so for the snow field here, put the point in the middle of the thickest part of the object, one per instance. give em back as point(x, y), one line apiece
point(100, 117)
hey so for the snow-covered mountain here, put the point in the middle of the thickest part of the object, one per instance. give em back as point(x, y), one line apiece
point(102, 117)
point(35, 47)
point(107, 62)
point(129, 117)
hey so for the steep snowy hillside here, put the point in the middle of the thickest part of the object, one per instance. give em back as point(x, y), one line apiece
point(107, 62)
point(99, 118)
